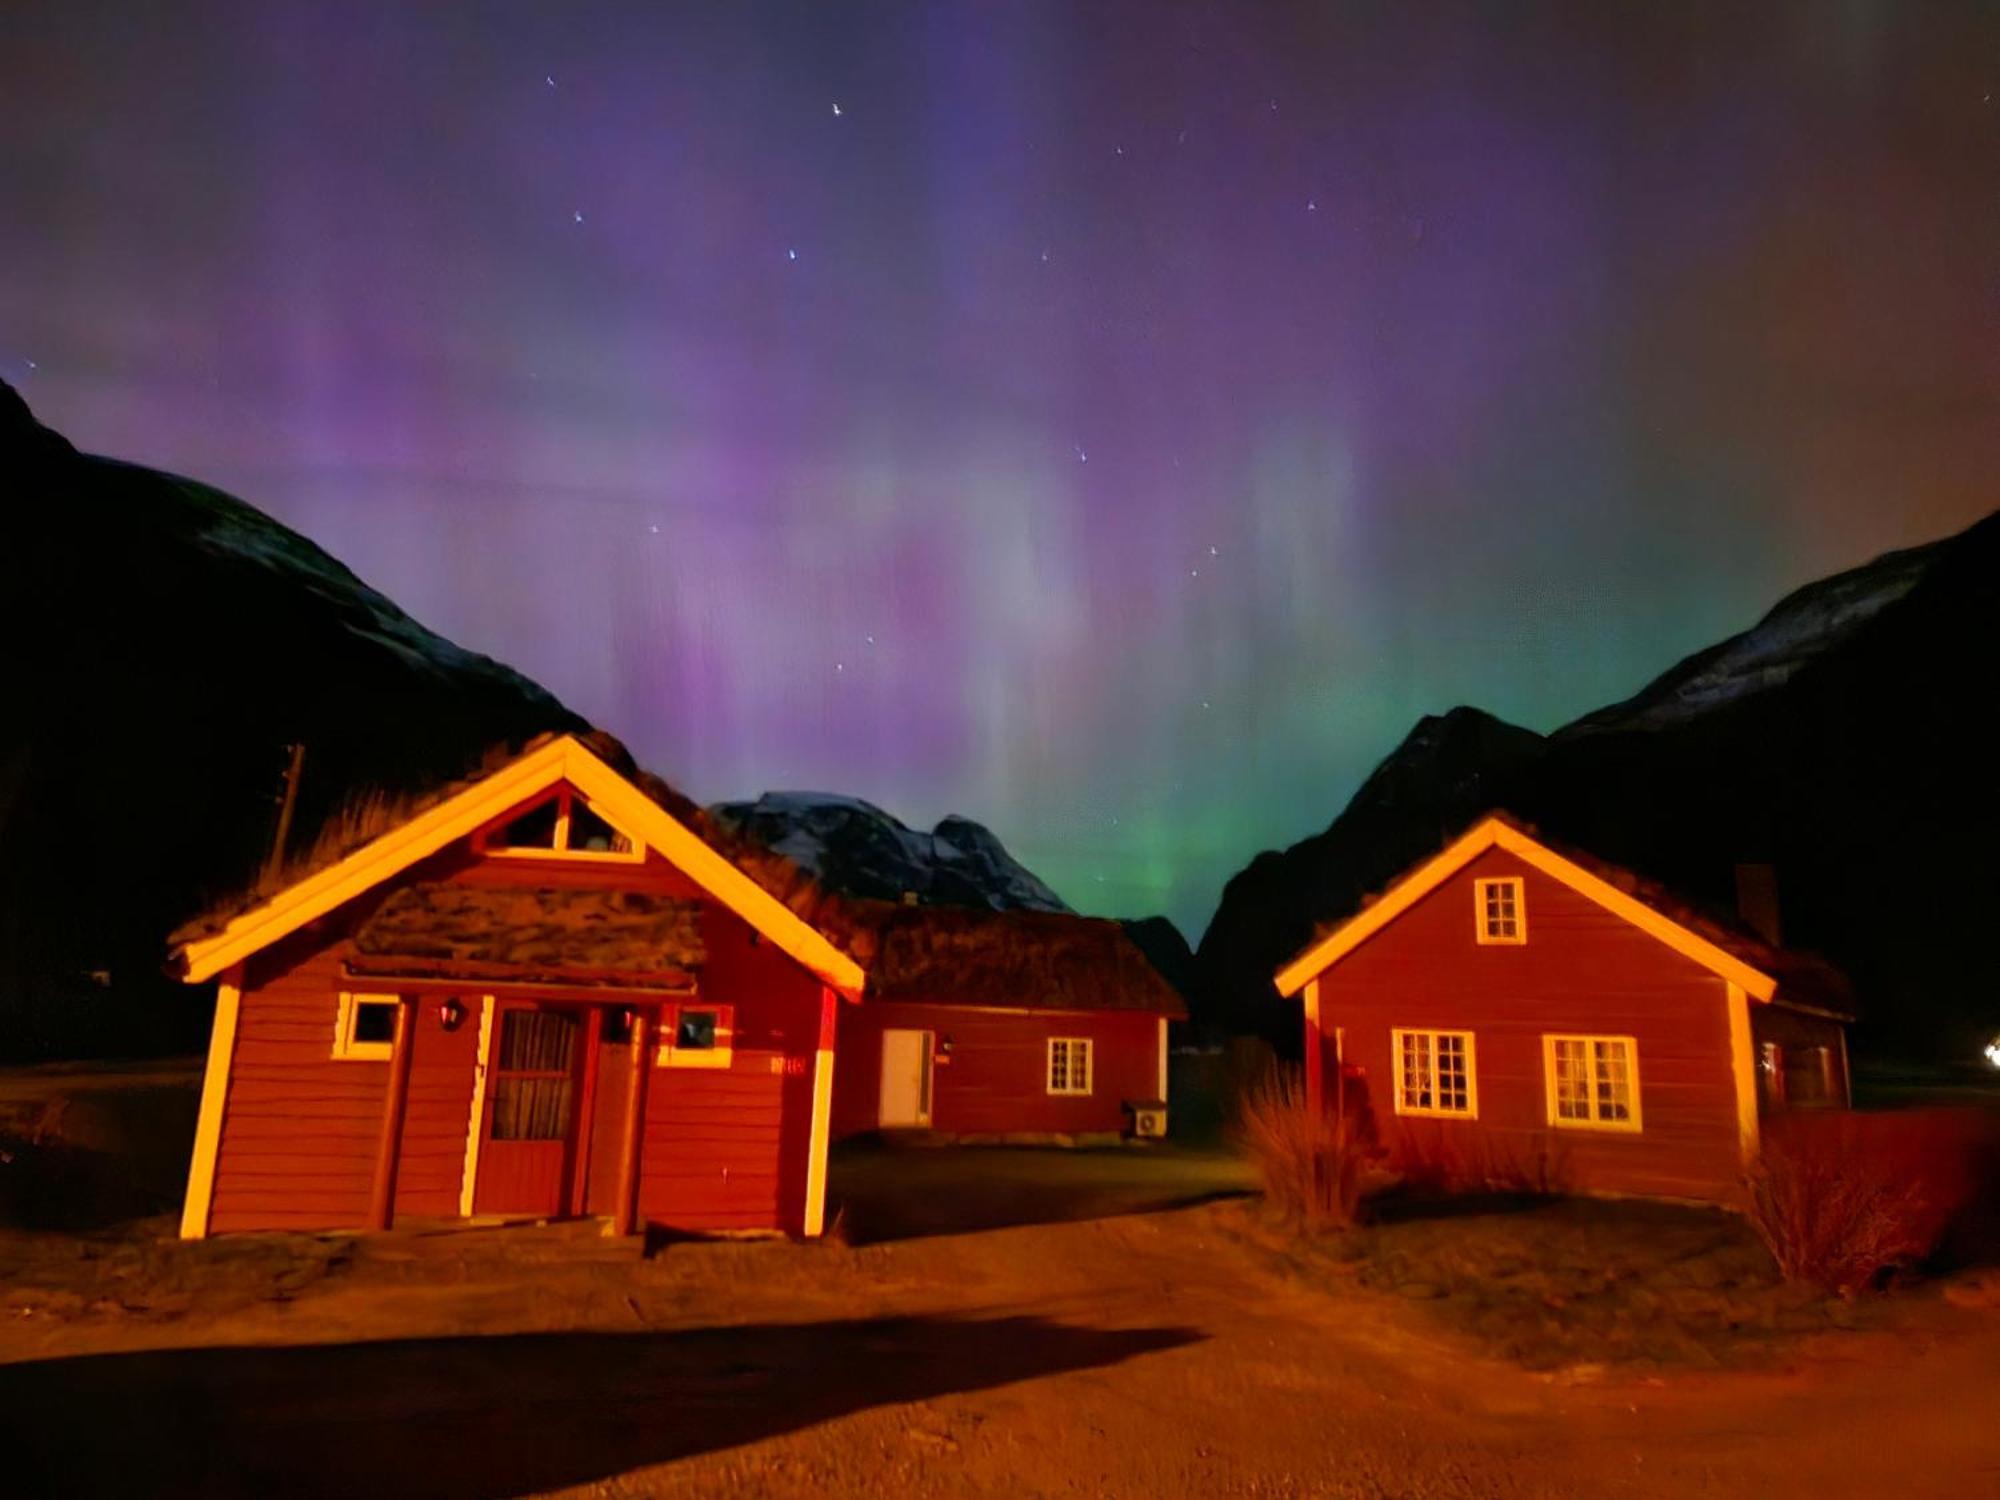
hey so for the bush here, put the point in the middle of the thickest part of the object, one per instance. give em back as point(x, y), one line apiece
point(1839, 1205)
point(1311, 1166)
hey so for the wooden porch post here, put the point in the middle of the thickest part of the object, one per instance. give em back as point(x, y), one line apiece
point(1315, 1052)
point(585, 1131)
point(625, 1218)
point(382, 1206)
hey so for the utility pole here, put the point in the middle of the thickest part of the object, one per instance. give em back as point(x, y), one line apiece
point(286, 803)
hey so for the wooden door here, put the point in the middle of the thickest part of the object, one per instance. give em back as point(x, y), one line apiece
point(529, 1143)
point(906, 1080)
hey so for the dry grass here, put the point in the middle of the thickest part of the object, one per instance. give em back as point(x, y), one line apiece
point(1839, 1207)
point(1312, 1168)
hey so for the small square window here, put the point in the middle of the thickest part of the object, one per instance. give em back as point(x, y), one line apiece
point(1499, 913)
point(697, 1036)
point(365, 1027)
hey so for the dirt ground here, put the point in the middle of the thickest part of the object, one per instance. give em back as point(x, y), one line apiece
point(1189, 1350)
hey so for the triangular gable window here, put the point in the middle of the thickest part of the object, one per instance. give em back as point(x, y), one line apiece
point(564, 826)
point(589, 830)
point(533, 829)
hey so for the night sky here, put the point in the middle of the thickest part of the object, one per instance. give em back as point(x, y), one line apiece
point(1116, 423)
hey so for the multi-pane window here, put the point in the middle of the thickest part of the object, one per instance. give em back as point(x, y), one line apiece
point(1434, 1073)
point(1069, 1065)
point(1593, 1081)
point(1501, 915)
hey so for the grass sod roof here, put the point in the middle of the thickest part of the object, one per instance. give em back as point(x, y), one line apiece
point(974, 956)
point(530, 935)
point(1803, 979)
point(1022, 960)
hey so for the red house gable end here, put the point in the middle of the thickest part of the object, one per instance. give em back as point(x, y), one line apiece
point(1585, 968)
point(294, 1135)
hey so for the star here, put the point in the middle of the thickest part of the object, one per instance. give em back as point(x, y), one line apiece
point(549, 79)
point(1312, 207)
point(870, 639)
point(1082, 457)
point(578, 216)
point(1194, 572)
point(836, 111)
point(1212, 552)
point(1045, 257)
point(654, 530)
point(791, 255)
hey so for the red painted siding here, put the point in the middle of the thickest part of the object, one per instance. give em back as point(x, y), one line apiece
point(726, 1149)
point(1582, 970)
point(438, 1110)
point(299, 1129)
point(997, 1079)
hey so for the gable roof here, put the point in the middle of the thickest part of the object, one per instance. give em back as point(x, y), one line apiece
point(646, 807)
point(1742, 960)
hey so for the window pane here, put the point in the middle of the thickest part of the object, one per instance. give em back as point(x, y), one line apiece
point(1572, 1089)
point(534, 829)
point(588, 831)
point(1451, 1076)
point(696, 1031)
point(374, 1020)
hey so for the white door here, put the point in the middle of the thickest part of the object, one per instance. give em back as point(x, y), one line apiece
point(906, 1079)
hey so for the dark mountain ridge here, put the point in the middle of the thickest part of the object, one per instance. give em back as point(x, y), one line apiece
point(1844, 739)
point(173, 644)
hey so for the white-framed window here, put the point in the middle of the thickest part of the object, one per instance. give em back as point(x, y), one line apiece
point(1435, 1073)
point(364, 1028)
point(1069, 1065)
point(563, 825)
point(1499, 913)
point(697, 1035)
point(1593, 1081)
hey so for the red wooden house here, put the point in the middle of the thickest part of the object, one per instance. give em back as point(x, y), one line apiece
point(989, 1024)
point(553, 991)
point(1513, 1010)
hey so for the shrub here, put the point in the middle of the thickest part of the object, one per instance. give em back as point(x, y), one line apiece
point(1838, 1207)
point(1311, 1166)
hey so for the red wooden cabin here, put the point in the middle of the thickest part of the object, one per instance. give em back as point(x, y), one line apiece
point(1509, 1012)
point(993, 1025)
point(550, 992)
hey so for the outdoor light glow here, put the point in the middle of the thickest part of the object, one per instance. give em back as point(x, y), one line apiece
point(1993, 1052)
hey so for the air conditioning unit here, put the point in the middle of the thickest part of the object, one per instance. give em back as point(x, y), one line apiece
point(1148, 1119)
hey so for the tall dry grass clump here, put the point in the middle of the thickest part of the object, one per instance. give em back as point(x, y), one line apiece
point(1836, 1210)
point(1311, 1167)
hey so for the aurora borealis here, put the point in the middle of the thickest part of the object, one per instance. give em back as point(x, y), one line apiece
point(1115, 423)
